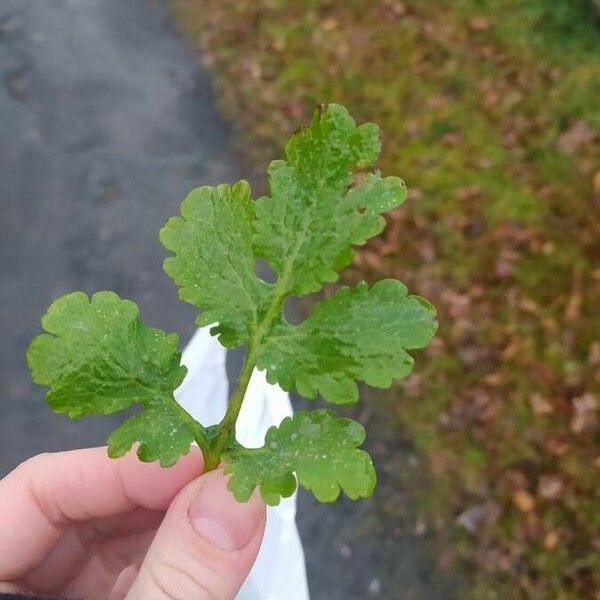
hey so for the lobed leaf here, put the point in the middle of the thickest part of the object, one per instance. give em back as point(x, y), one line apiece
point(306, 228)
point(358, 334)
point(162, 431)
point(98, 357)
point(213, 263)
point(317, 447)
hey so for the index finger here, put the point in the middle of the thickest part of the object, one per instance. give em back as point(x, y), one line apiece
point(41, 498)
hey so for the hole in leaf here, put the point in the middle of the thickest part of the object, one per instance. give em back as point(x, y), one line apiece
point(293, 311)
point(263, 271)
point(233, 365)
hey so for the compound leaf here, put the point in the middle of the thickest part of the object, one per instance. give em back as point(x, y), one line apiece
point(99, 358)
point(317, 448)
point(317, 209)
point(213, 262)
point(325, 198)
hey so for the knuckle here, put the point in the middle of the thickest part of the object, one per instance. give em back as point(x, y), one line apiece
point(179, 580)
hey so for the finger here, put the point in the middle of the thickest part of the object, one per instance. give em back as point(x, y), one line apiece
point(50, 492)
point(205, 546)
point(102, 571)
point(124, 582)
point(113, 540)
point(9, 588)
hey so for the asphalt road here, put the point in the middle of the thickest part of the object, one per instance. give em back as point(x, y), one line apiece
point(106, 121)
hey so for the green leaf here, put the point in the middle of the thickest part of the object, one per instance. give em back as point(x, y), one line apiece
point(214, 262)
point(98, 357)
point(325, 198)
point(359, 334)
point(162, 431)
point(317, 209)
point(318, 447)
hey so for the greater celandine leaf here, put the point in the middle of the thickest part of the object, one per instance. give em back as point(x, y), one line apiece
point(99, 358)
point(358, 334)
point(213, 262)
point(315, 446)
point(317, 210)
point(324, 199)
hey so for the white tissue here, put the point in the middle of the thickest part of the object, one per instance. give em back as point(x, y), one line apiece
point(279, 572)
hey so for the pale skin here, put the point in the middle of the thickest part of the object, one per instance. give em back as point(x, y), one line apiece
point(81, 525)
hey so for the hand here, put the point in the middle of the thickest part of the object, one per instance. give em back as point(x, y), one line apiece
point(81, 525)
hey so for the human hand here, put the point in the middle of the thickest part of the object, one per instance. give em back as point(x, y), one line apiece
point(81, 525)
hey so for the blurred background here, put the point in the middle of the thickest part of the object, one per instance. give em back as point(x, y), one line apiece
point(489, 453)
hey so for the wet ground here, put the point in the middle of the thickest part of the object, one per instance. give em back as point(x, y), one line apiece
point(106, 121)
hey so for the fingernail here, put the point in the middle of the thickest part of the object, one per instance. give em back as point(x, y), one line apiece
point(220, 519)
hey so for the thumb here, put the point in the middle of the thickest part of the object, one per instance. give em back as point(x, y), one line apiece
point(204, 548)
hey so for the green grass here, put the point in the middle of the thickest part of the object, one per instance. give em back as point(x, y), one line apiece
point(491, 113)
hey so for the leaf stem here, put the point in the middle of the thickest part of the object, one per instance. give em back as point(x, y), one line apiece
point(227, 426)
point(226, 435)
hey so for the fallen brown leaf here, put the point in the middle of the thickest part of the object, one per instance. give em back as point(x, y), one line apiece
point(479, 23)
point(523, 501)
point(584, 413)
point(550, 487)
point(596, 184)
point(550, 540)
point(578, 135)
point(539, 404)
